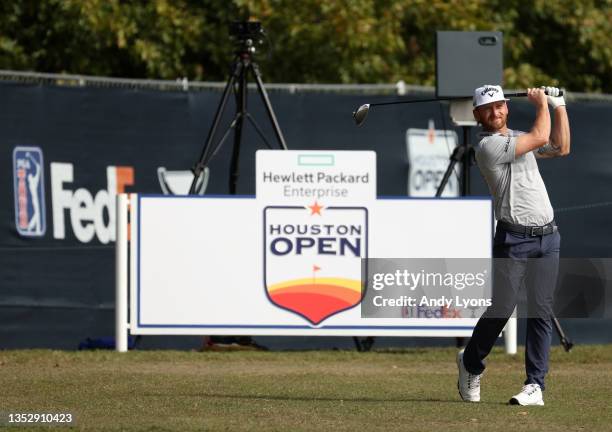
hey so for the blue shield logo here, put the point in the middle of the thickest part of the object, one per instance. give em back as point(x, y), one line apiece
point(29, 188)
point(313, 258)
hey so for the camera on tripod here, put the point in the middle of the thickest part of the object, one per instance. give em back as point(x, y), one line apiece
point(246, 32)
point(245, 35)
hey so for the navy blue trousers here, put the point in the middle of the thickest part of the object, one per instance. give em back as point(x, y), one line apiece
point(519, 260)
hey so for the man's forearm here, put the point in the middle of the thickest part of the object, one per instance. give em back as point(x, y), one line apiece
point(541, 125)
point(560, 135)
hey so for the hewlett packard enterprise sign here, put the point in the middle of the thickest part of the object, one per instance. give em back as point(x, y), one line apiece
point(300, 176)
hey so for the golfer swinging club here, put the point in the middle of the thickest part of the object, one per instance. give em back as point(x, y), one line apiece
point(526, 238)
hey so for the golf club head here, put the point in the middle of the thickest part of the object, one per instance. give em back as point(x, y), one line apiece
point(361, 114)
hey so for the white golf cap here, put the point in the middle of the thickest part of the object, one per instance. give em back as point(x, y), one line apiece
point(487, 94)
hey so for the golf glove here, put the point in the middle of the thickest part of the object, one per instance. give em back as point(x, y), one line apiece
point(554, 100)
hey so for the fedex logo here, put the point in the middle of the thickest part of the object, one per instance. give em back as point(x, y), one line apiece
point(89, 215)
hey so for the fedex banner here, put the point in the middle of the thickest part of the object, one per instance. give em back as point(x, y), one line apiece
point(87, 214)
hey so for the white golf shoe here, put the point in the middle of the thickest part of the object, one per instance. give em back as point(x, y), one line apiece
point(468, 384)
point(530, 395)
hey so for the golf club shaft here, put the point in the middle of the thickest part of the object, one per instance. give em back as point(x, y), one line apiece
point(520, 94)
point(361, 113)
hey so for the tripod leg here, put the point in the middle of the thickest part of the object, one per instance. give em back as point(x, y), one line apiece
point(219, 144)
point(259, 131)
point(266, 100)
point(199, 166)
point(455, 157)
point(241, 101)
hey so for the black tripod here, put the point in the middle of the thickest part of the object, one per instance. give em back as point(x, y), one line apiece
point(238, 82)
point(466, 155)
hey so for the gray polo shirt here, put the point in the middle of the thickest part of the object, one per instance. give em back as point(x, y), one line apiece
point(518, 190)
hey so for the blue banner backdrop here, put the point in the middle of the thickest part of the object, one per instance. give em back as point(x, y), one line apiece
point(66, 152)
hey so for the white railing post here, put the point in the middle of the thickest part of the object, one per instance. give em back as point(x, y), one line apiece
point(121, 275)
point(510, 335)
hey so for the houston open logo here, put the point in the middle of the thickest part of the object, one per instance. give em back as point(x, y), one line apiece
point(312, 258)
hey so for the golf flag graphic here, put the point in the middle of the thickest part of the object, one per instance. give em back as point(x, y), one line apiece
point(313, 258)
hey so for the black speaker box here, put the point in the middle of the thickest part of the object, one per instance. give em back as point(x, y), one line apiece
point(466, 61)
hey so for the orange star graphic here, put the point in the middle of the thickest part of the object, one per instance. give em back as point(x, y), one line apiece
point(315, 209)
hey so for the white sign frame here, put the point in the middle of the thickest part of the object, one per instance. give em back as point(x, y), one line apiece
point(356, 326)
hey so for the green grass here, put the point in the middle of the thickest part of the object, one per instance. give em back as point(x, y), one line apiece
point(404, 390)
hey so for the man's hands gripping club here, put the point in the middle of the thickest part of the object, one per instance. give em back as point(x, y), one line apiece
point(554, 100)
point(550, 142)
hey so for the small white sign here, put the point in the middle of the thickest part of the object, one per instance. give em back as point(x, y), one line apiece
point(302, 177)
point(429, 153)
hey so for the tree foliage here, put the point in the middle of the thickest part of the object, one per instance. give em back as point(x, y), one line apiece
point(313, 41)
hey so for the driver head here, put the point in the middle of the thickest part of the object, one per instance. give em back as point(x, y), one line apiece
point(361, 114)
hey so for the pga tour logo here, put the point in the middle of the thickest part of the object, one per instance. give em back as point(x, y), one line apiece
point(312, 258)
point(29, 188)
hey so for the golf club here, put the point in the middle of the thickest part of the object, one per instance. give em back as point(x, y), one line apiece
point(362, 112)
